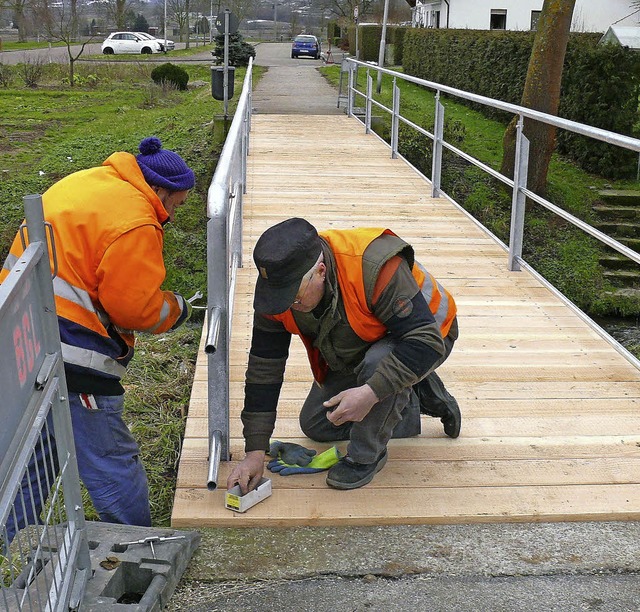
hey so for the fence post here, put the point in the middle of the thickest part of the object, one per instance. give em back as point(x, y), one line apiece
point(367, 115)
point(394, 120)
point(518, 201)
point(438, 132)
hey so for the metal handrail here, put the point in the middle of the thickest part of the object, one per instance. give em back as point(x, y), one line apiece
point(566, 124)
point(519, 182)
point(224, 256)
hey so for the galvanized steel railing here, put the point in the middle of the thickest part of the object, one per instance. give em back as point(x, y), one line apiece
point(46, 565)
point(224, 257)
point(518, 184)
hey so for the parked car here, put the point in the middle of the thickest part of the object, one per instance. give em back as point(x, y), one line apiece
point(305, 45)
point(130, 42)
point(170, 44)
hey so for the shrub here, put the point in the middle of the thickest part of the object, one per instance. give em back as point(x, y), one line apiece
point(31, 72)
point(6, 75)
point(170, 73)
point(239, 50)
point(599, 83)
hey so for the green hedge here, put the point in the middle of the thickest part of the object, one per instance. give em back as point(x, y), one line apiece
point(369, 42)
point(599, 85)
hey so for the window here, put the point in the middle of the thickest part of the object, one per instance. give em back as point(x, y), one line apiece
point(498, 19)
point(535, 17)
point(435, 22)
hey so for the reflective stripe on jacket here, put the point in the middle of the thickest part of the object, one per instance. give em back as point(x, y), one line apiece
point(107, 227)
point(348, 248)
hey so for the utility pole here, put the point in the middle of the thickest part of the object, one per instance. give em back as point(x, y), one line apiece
point(211, 23)
point(165, 26)
point(383, 40)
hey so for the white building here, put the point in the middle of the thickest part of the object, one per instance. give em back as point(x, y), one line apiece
point(588, 15)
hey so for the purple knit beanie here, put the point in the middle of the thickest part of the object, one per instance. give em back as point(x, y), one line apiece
point(164, 168)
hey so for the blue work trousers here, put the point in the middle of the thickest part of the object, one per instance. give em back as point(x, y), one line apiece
point(108, 462)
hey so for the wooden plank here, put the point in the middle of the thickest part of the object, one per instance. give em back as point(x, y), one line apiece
point(456, 473)
point(475, 427)
point(468, 449)
point(328, 507)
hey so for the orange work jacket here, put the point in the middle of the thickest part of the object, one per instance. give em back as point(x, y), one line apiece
point(107, 227)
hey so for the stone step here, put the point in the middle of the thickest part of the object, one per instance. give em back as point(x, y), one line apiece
point(632, 243)
point(607, 212)
point(626, 278)
point(620, 197)
point(619, 230)
point(627, 293)
point(618, 262)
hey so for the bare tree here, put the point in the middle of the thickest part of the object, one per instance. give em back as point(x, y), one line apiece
point(61, 25)
point(179, 12)
point(344, 8)
point(242, 8)
point(542, 92)
point(116, 11)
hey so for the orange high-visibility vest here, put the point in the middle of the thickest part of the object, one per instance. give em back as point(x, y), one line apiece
point(348, 247)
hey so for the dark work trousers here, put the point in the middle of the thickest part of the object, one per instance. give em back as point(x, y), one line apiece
point(397, 415)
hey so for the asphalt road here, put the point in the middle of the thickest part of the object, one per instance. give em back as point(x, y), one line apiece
point(292, 86)
point(61, 55)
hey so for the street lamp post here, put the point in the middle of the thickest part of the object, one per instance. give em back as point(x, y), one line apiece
point(275, 20)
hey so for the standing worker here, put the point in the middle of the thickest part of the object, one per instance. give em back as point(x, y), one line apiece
point(108, 233)
point(375, 324)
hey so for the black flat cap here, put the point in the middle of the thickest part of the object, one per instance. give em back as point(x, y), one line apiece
point(283, 255)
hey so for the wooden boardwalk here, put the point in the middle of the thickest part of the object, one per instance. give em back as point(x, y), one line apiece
point(551, 420)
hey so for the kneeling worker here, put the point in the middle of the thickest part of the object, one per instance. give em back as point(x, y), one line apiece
point(375, 324)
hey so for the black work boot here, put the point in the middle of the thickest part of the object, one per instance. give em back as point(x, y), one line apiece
point(437, 402)
point(348, 474)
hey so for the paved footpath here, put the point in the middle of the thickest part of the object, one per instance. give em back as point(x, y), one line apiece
point(563, 567)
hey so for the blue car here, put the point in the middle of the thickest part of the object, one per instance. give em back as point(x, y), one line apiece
point(305, 45)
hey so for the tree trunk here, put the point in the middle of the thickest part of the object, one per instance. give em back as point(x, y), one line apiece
point(21, 21)
point(120, 14)
point(542, 92)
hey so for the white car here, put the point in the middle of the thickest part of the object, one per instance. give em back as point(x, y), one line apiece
point(170, 44)
point(130, 42)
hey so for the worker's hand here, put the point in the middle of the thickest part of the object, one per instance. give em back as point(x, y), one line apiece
point(248, 472)
point(291, 453)
point(351, 405)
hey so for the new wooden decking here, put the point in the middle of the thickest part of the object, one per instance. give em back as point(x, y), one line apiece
point(551, 426)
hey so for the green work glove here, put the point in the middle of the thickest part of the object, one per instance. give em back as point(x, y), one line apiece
point(319, 463)
point(290, 452)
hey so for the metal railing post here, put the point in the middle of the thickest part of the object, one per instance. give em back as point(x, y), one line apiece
point(217, 345)
point(395, 122)
point(350, 93)
point(438, 134)
point(518, 201)
point(367, 115)
point(243, 155)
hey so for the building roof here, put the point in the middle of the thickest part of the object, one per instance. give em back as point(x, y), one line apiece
point(626, 36)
